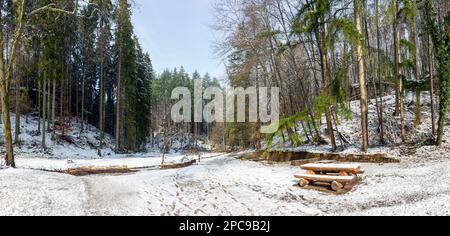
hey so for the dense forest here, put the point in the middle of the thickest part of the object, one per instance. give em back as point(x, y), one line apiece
point(116, 107)
point(64, 60)
point(81, 60)
point(323, 54)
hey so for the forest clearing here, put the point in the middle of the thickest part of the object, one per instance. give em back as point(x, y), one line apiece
point(221, 184)
point(225, 107)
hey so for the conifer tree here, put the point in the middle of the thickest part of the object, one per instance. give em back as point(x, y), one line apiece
point(126, 137)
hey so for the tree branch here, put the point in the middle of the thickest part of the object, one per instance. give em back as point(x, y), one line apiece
point(53, 8)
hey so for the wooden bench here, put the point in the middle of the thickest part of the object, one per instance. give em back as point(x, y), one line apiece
point(327, 178)
point(338, 177)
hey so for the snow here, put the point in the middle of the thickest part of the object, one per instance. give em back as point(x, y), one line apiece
point(135, 161)
point(221, 184)
point(25, 192)
point(227, 186)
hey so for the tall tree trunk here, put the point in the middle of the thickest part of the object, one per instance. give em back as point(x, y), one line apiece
point(4, 97)
point(6, 67)
point(417, 74)
point(7, 126)
point(326, 80)
point(102, 92)
point(39, 102)
point(69, 94)
point(82, 103)
point(44, 111)
point(62, 99)
point(379, 73)
point(258, 124)
point(102, 105)
point(118, 97)
point(17, 107)
point(399, 91)
point(54, 109)
point(432, 85)
point(49, 105)
point(440, 42)
point(77, 100)
point(362, 78)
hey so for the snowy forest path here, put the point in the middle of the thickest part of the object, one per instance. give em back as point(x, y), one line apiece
point(226, 186)
point(105, 196)
point(217, 186)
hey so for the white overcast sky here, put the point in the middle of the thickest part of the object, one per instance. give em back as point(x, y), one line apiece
point(178, 32)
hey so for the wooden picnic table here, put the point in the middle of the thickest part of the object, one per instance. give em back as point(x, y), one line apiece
point(337, 176)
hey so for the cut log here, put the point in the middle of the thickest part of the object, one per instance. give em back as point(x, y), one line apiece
point(83, 171)
point(336, 186)
point(327, 178)
point(334, 168)
point(303, 183)
point(178, 165)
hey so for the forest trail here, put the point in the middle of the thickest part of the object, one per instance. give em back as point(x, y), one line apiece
point(106, 197)
point(211, 187)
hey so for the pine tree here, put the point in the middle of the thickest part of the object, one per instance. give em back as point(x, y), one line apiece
point(145, 74)
point(126, 84)
point(89, 75)
point(103, 48)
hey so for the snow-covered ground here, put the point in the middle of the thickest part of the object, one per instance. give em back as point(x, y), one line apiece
point(220, 184)
point(227, 186)
point(133, 161)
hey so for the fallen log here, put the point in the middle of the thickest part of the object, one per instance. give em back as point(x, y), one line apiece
point(298, 158)
point(84, 171)
point(178, 165)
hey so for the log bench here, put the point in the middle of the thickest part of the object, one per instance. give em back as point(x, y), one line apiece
point(340, 178)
